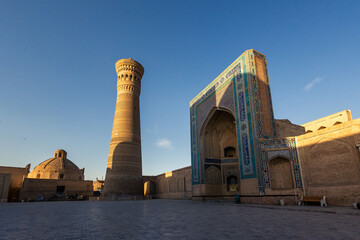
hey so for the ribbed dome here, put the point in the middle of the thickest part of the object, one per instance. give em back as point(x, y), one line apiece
point(58, 167)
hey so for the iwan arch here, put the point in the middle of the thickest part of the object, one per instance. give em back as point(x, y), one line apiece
point(238, 102)
point(237, 147)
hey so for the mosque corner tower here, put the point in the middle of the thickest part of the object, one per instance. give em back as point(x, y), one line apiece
point(124, 167)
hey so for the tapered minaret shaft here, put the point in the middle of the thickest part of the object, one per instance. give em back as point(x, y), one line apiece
point(124, 168)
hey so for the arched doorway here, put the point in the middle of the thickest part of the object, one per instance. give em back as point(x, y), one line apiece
point(213, 175)
point(149, 188)
point(280, 172)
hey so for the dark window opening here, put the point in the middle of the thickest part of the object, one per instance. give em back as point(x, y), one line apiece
point(229, 152)
point(61, 176)
point(60, 189)
point(232, 182)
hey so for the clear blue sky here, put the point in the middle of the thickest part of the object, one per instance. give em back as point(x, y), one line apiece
point(58, 80)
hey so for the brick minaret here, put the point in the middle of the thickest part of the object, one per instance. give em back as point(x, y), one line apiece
point(124, 168)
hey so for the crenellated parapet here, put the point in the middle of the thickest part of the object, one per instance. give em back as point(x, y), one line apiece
point(129, 65)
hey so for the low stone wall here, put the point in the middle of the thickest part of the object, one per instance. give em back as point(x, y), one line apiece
point(172, 185)
point(337, 195)
point(34, 189)
point(330, 163)
point(269, 200)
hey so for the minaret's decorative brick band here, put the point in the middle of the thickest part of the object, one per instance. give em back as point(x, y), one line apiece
point(124, 168)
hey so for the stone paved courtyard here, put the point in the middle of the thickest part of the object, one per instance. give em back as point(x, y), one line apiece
point(166, 219)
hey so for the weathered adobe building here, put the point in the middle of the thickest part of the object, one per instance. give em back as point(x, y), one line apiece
point(98, 185)
point(237, 147)
point(171, 185)
point(50, 179)
point(11, 179)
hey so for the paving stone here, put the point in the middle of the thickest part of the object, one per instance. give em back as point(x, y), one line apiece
point(169, 219)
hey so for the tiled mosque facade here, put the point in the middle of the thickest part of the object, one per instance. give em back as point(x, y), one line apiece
point(237, 147)
point(241, 97)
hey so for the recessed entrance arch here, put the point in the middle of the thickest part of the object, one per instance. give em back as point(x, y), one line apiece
point(280, 171)
point(149, 188)
point(219, 153)
point(219, 135)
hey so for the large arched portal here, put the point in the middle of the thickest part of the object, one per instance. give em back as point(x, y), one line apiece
point(219, 150)
point(219, 136)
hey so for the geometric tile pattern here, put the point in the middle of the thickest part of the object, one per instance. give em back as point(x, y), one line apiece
point(280, 144)
point(244, 123)
point(243, 90)
point(245, 105)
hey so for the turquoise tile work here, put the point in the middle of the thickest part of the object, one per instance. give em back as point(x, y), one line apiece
point(241, 100)
point(245, 106)
point(283, 144)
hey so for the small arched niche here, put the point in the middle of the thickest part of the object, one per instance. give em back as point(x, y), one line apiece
point(229, 152)
point(232, 183)
point(212, 175)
